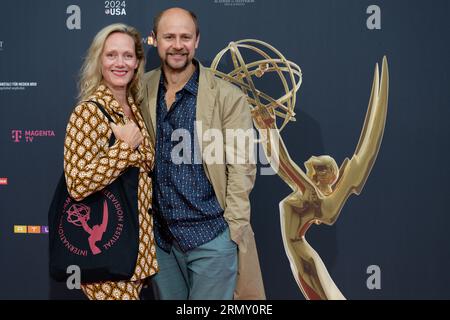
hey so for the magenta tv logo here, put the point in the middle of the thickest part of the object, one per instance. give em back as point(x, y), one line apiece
point(30, 135)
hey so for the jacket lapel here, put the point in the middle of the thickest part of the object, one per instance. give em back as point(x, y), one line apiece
point(205, 101)
point(149, 106)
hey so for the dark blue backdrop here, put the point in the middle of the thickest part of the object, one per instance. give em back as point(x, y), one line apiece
point(399, 222)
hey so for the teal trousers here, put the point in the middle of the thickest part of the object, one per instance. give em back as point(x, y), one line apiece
point(207, 272)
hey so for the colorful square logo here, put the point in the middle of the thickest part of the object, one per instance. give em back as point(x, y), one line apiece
point(20, 229)
point(3, 181)
point(34, 229)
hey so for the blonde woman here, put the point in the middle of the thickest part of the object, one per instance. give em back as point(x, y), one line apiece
point(111, 76)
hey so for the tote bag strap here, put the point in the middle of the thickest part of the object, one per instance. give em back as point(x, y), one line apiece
point(102, 110)
point(113, 137)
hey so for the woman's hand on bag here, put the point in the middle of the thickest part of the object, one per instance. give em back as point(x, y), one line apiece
point(128, 133)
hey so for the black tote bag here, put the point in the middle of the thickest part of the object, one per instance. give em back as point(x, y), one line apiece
point(99, 234)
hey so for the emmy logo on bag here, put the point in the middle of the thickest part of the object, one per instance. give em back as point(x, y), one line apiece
point(98, 231)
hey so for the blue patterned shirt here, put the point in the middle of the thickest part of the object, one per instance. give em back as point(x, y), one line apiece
point(186, 207)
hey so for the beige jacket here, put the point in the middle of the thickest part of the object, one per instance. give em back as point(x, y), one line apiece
point(221, 106)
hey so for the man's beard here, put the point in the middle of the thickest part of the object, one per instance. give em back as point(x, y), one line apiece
point(181, 68)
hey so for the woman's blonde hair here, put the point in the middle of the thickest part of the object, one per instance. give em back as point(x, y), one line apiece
point(91, 71)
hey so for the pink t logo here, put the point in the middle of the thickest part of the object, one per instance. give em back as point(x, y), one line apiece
point(16, 135)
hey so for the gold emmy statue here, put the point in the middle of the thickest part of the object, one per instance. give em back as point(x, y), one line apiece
point(319, 194)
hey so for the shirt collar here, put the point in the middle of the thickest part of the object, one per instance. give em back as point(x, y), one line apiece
point(191, 86)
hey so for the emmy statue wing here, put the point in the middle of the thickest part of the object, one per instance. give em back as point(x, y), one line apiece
point(354, 172)
point(105, 216)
